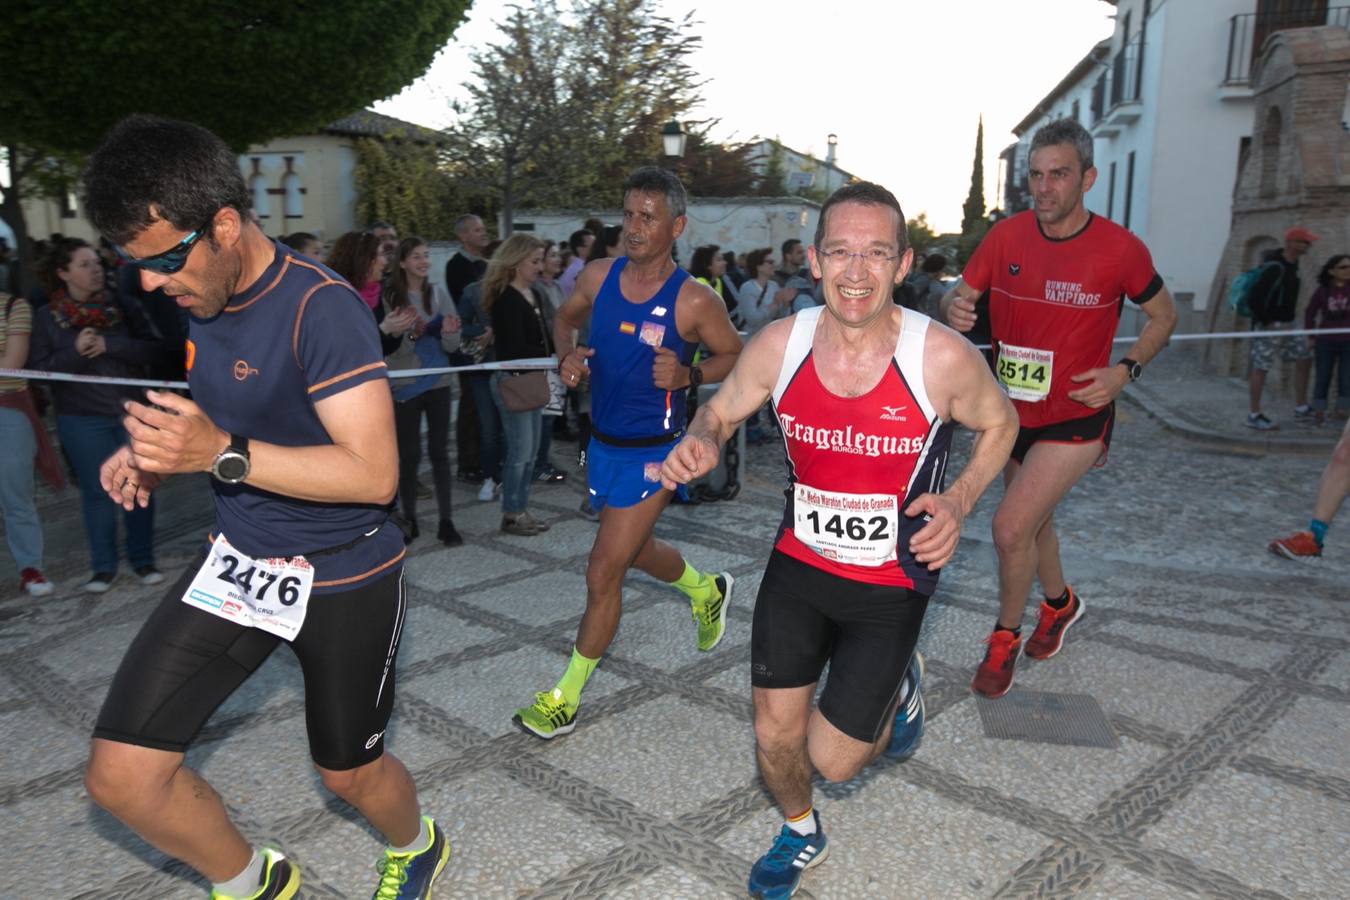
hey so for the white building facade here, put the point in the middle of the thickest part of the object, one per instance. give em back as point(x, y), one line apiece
point(740, 224)
point(1169, 103)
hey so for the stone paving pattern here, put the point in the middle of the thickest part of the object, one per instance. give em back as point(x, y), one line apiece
point(1224, 672)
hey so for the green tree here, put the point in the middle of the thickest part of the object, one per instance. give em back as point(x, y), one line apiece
point(972, 212)
point(249, 72)
point(567, 103)
point(773, 182)
point(628, 74)
point(401, 181)
point(710, 169)
point(921, 234)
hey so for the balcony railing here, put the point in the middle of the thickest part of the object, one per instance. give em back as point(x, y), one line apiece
point(1117, 89)
point(1247, 32)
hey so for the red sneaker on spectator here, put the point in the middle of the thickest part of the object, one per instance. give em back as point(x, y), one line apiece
point(35, 583)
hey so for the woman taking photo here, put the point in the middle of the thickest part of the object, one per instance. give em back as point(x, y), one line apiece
point(518, 327)
point(433, 335)
point(85, 330)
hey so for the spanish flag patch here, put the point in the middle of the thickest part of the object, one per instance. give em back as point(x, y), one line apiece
point(628, 327)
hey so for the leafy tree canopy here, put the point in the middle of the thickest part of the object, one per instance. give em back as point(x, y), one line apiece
point(249, 72)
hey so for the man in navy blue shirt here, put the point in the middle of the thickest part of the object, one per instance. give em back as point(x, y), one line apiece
point(293, 418)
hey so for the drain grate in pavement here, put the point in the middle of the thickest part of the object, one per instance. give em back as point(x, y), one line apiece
point(1073, 719)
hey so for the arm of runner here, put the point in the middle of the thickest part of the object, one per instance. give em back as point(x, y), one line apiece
point(967, 393)
point(360, 466)
point(744, 389)
point(1101, 386)
point(712, 327)
point(573, 315)
point(957, 306)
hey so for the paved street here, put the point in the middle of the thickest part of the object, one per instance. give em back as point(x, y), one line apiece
point(1222, 672)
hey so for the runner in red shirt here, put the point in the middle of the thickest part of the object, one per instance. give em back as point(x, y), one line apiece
point(1057, 277)
point(866, 394)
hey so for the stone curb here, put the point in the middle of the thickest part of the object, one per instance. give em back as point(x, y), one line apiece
point(1173, 421)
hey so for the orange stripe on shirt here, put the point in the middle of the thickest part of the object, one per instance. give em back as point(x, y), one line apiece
point(354, 372)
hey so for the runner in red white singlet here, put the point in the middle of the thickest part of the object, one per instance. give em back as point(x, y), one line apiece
point(1056, 277)
point(866, 394)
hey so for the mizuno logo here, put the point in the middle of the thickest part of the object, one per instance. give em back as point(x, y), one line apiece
point(1014, 268)
point(893, 410)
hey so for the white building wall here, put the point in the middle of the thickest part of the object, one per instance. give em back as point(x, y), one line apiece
point(740, 224)
point(1197, 139)
point(1185, 140)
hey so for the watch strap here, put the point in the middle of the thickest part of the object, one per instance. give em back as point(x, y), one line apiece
point(239, 444)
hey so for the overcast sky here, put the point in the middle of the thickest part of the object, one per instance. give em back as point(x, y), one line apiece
point(902, 83)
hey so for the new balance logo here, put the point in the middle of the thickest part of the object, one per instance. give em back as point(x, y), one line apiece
point(659, 311)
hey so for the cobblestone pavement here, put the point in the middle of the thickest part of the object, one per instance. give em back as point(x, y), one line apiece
point(1223, 672)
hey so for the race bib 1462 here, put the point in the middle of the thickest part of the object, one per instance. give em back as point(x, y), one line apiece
point(858, 529)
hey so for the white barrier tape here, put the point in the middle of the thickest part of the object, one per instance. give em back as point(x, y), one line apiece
point(539, 362)
point(1224, 335)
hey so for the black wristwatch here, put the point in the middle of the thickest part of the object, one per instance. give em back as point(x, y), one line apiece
point(231, 466)
point(1132, 367)
point(695, 376)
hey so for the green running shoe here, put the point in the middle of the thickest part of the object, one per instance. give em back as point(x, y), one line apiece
point(548, 717)
point(710, 615)
point(280, 879)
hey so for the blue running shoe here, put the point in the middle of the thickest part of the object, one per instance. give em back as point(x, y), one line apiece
point(907, 733)
point(777, 874)
point(409, 876)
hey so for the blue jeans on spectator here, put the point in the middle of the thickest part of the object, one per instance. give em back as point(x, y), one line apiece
point(489, 427)
point(89, 441)
point(1330, 354)
point(23, 529)
point(522, 443)
point(541, 461)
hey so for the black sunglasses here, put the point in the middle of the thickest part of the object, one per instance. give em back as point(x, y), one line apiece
point(171, 260)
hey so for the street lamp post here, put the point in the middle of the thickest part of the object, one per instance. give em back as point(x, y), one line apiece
point(673, 138)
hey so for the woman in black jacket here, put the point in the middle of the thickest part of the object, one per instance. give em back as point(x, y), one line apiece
point(518, 329)
point(86, 330)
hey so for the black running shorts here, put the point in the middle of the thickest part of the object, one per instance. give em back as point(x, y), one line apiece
point(185, 662)
point(805, 617)
point(1096, 427)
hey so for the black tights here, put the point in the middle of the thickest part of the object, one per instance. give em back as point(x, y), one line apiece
point(408, 428)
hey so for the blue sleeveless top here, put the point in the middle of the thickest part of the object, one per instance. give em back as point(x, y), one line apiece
point(624, 402)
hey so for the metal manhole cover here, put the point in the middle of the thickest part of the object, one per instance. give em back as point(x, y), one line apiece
point(1073, 719)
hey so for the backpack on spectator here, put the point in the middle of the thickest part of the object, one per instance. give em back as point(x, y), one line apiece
point(1240, 292)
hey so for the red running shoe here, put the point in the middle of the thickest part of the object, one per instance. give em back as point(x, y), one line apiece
point(995, 674)
point(1301, 545)
point(1053, 625)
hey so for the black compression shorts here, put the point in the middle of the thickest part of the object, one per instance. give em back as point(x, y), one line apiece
point(805, 617)
point(185, 662)
point(1096, 427)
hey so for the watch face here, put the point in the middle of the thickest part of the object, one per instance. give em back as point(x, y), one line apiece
point(232, 468)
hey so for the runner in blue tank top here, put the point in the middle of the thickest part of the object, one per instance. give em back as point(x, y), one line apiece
point(647, 317)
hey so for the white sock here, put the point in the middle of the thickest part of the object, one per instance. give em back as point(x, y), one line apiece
point(246, 882)
point(804, 826)
point(419, 843)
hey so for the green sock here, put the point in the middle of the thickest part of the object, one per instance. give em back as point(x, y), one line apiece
point(696, 585)
point(579, 669)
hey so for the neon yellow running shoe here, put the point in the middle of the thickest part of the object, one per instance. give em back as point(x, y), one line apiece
point(710, 615)
point(280, 879)
point(548, 717)
point(409, 876)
